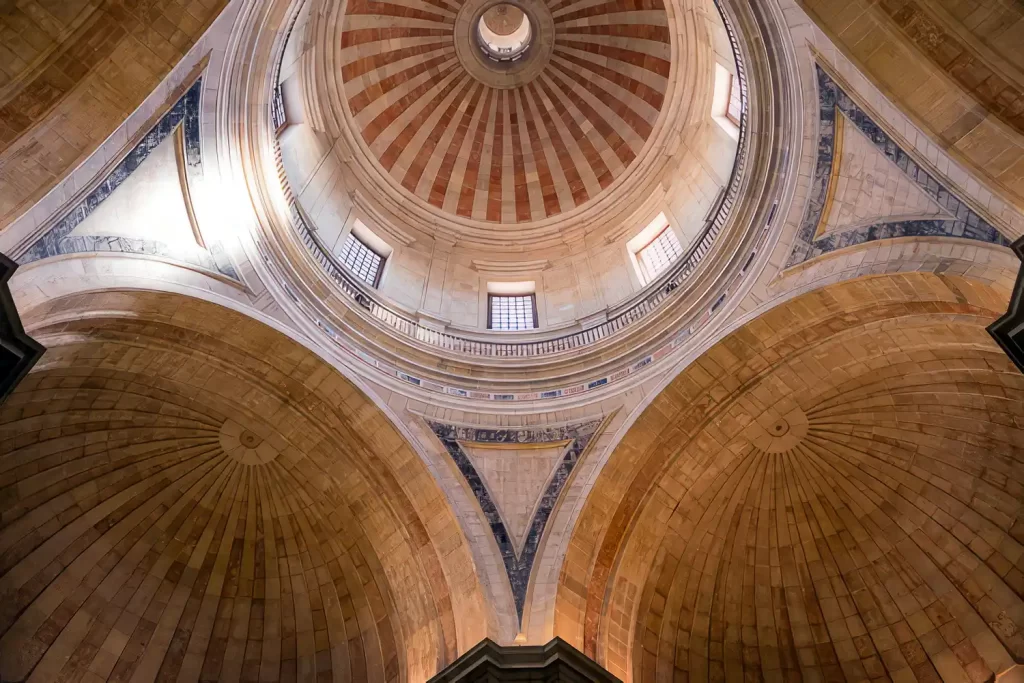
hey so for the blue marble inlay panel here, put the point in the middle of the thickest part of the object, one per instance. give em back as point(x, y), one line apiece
point(58, 239)
point(833, 100)
point(518, 566)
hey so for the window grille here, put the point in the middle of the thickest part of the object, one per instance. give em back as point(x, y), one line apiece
point(659, 254)
point(512, 312)
point(277, 115)
point(365, 263)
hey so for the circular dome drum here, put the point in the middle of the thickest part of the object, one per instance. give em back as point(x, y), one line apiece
point(509, 112)
point(401, 77)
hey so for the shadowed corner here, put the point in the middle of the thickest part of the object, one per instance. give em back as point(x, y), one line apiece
point(18, 351)
point(1008, 330)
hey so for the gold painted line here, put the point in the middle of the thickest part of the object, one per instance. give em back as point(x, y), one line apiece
point(182, 164)
point(833, 176)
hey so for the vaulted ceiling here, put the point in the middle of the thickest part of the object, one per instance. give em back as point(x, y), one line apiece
point(187, 492)
point(955, 68)
point(71, 71)
point(832, 492)
point(538, 148)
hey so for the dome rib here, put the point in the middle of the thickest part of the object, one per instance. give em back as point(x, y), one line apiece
point(545, 145)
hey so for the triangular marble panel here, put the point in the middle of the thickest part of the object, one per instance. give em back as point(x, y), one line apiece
point(516, 477)
point(518, 556)
point(868, 188)
point(837, 114)
point(148, 204)
point(90, 226)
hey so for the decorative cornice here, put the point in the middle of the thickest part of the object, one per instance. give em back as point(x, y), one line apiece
point(380, 221)
point(18, 351)
point(510, 267)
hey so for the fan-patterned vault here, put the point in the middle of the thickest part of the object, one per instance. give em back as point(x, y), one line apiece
point(190, 495)
point(465, 141)
point(833, 492)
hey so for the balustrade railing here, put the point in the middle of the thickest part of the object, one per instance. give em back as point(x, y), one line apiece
point(629, 314)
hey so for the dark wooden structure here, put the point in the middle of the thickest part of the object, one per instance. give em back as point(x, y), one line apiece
point(1008, 330)
point(556, 662)
point(18, 351)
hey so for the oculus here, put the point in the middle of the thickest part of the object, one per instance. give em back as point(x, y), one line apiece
point(504, 32)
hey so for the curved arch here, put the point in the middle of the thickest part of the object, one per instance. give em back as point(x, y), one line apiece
point(661, 482)
point(309, 290)
point(77, 72)
point(262, 513)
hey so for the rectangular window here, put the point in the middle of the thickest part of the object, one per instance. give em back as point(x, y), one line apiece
point(659, 254)
point(726, 102)
point(277, 115)
point(517, 312)
point(735, 107)
point(362, 261)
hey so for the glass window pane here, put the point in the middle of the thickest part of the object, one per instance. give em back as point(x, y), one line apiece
point(512, 312)
point(659, 254)
point(364, 263)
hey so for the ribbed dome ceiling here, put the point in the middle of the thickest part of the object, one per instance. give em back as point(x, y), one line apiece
point(476, 147)
point(178, 504)
point(830, 493)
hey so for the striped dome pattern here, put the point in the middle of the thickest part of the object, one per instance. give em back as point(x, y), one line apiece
point(505, 155)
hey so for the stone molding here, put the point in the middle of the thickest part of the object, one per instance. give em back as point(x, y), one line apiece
point(521, 72)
